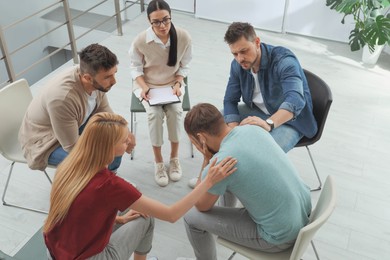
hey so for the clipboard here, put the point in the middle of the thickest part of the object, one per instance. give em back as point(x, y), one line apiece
point(162, 96)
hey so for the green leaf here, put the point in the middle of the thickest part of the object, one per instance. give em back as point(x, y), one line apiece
point(378, 32)
point(356, 39)
point(371, 27)
point(384, 3)
point(333, 3)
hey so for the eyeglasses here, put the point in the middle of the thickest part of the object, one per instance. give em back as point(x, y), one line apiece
point(164, 21)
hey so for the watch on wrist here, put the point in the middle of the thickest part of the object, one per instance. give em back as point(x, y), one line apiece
point(270, 123)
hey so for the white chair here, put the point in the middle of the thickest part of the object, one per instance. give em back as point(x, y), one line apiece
point(14, 101)
point(318, 217)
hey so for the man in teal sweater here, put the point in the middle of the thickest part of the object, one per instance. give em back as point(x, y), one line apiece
point(276, 202)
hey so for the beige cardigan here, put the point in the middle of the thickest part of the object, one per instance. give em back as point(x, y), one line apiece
point(54, 117)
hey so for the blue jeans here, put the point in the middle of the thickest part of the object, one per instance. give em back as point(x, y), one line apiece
point(285, 136)
point(59, 154)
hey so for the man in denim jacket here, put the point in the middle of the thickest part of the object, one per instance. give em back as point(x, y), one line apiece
point(272, 85)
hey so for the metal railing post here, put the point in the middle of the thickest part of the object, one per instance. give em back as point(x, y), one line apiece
point(69, 24)
point(7, 54)
point(7, 57)
point(284, 20)
point(118, 17)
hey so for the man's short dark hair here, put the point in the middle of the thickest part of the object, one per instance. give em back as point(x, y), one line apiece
point(95, 57)
point(237, 30)
point(204, 118)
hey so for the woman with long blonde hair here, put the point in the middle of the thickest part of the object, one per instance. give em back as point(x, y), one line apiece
point(86, 198)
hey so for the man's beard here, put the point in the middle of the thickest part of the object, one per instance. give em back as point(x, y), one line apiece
point(252, 64)
point(99, 87)
point(211, 150)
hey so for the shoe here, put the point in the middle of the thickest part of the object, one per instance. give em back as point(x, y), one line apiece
point(160, 175)
point(192, 182)
point(175, 172)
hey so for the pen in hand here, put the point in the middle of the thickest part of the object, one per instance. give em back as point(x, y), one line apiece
point(147, 92)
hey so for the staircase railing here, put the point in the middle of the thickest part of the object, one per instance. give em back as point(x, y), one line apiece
point(7, 54)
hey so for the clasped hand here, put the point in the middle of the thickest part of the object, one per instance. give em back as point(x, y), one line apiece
point(129, 216)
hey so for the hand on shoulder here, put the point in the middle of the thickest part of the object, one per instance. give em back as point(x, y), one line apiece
point(219, 171)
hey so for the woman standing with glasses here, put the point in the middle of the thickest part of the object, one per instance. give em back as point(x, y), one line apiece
point(159, 58)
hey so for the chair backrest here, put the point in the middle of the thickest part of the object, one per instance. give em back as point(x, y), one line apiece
point(322, 99)
point(318, 217)
point(14, 101)
point(186, 98)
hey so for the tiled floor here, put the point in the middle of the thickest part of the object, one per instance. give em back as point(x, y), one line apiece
point(354, 147)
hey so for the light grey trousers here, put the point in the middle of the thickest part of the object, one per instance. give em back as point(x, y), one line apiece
point(156, 115)
point(134, 236)
point(230, 223)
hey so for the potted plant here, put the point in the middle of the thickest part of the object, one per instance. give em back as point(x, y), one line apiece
point(372, 21)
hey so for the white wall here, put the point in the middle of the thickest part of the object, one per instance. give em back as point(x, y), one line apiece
point(181, 5)
point(262, 14)
point(304, 17)
point(314, 18)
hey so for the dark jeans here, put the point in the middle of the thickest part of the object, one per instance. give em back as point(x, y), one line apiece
point(59, 154)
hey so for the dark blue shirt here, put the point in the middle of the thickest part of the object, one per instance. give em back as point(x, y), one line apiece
point(283, 85)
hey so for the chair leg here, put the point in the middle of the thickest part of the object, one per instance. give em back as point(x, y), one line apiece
point(231, 256)
point(192, 150)
point(47, 176)
point(315, 169)
point(315, 250)
point(6, 183)
point(133, 126)
point(18, 206)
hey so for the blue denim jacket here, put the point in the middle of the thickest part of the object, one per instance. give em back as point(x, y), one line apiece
point(283, 86)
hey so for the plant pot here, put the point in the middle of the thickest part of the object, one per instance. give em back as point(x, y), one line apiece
point(371, 58)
